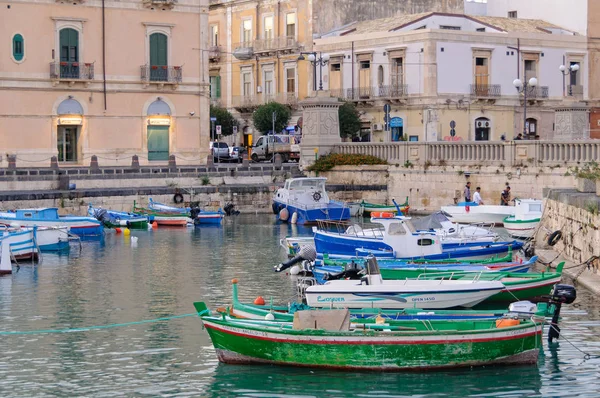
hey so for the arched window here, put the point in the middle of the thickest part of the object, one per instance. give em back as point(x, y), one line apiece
point(18, 47)
point(380, 75)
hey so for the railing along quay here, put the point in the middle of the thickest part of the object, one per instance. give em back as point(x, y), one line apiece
point(535, 153)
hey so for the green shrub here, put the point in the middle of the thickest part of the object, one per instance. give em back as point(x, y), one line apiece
point(328, 162)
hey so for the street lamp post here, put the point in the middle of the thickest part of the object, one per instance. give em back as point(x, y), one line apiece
point(522, 88)
point(571, 70)
point(321, 60)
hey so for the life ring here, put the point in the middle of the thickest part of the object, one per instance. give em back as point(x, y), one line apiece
point(316, 196)
point(382, 214)
point(178, 198)
point(554, 238)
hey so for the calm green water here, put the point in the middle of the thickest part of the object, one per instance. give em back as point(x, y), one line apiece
point(113, 281)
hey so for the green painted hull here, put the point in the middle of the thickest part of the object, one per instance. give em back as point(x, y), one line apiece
point(370, 207)
point(469, 344)
point(132, 225)
point(491, 260)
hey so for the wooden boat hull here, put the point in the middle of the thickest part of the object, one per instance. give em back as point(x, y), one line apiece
point(371, 350)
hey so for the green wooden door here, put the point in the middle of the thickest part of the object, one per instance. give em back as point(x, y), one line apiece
point(158, 57)
point(69, 53)
point(158, 142)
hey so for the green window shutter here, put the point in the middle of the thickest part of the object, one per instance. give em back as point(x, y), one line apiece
point(18, 47)
point(218, 84)
point(158, 142)
point(158, 49)
point(69, 45)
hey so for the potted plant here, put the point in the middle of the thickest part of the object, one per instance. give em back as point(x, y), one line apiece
point(154, 67)
point(75, 64)
point(177, 67)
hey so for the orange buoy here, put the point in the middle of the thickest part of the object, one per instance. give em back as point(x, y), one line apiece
point(506, 323)
point(382, 214)
point(259, 301)
point(118, 230)
point(154, 224)
point(234, 281)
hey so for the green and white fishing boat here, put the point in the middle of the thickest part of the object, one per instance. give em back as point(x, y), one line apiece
point(369, 208)
point(285, 313)
point(328, 339)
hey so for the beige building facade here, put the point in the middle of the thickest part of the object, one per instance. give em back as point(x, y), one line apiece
point(449, 77)
point(112, 79)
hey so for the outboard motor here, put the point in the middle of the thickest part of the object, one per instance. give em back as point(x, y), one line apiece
point(305, 253)
point(194, 211)
point(351, 271)
point(561, 294)
point(101, 215)
point(528, 249)
point(229, 210)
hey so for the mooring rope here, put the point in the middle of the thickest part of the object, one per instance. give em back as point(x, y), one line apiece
point(586, 355)
point(100, 327)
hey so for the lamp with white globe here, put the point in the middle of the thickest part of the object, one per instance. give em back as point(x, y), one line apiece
point(571, 70)
point(524, 87)
point(321, 60)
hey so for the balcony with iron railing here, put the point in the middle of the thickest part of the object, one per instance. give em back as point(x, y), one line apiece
point(248, 102)
point(575, 91)
point(71, 71)
point(159, 3)
point(538, 92)
point(266, 46)
point(161, 74)
point(391, 92)
point(214, 53)
point(486, 90)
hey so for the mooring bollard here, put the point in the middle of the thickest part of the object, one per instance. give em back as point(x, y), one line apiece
point(12, 161)
point(54, 162)
point(135, 162)
point(172, 163)
point(94, 163)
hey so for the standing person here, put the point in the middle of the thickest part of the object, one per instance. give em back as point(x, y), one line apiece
point(477, 196)
point(505, 197)
point(468, 192)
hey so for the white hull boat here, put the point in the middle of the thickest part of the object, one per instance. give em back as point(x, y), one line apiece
point(473, 213)
point(528, 214)
point(21, 244)
point(374, 292)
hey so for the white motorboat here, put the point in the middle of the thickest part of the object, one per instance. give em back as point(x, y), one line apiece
point(471, 212)
point(528, 213)
point(21, 244)
point(374, 292)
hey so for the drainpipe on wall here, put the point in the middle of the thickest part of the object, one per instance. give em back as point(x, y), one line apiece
point(352, 60)
point(104, 53)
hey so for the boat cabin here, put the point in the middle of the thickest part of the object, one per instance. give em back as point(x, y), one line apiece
point(307, 191)
point(48, 213)
point(527, 209)
point(400, 234)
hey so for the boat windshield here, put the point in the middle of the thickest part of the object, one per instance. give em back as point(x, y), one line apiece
point(410, 227)
point(372, 266)
point(535, 207)
point(396, 229)
point(306, 184)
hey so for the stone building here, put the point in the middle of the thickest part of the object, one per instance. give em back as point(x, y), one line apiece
point(450, 76)
point(112, 79)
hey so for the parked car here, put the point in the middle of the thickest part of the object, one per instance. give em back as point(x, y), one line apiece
point(236, 153)
point(220, 151)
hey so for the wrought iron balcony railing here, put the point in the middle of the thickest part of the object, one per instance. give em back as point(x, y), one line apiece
point(214, 53)
point(537, 92)
point(71, 71)
point(161, 73)
point(486, 90)
point(261, 46)
point(371, 93)
point(253, 101)
point(574, 90)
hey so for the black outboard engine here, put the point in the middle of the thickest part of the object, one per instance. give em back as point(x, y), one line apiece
point(102, 215)
point(306, 253)
point(230, 210)
point(351, 271)
point(194, 211)
point(528, 249)
point(561, 294)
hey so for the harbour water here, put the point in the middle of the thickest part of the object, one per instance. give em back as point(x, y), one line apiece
point(116, 280)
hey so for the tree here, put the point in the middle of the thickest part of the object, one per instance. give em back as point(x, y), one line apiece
point(224, 119)
point(349, 120)
point(263, 117)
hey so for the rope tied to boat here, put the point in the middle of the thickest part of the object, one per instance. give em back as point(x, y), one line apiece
point(101, 327)
point(586, 355)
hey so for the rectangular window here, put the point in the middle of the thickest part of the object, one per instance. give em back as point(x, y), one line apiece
point(247, 31)
point(480, 29)
point(421, 27)
point(215, 87)
point(530, 69)
point(397, 72)
point(512, 14)
point(268, 24)
point(268, 82)
point(290, 25)
point(247, 84)
point(449, 27)
point(290, 78)
point(413, 138)
point(575, 79)
point(336, 67)
point(214, 35)
point(365, 64)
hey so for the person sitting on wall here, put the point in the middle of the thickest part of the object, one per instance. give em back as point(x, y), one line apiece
point(505, 197)
point(519, 137)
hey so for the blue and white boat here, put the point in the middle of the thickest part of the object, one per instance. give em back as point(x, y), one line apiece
point(161, 207)
point(21, 243)
point(206, 217)
point(397, 238)
point(46, 239)
point(48, 217)
point(117, 219)
point(304, 200)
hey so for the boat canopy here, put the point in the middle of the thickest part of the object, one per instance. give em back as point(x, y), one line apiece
point(303, 184)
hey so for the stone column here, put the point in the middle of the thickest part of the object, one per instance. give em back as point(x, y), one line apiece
point(321, 126)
